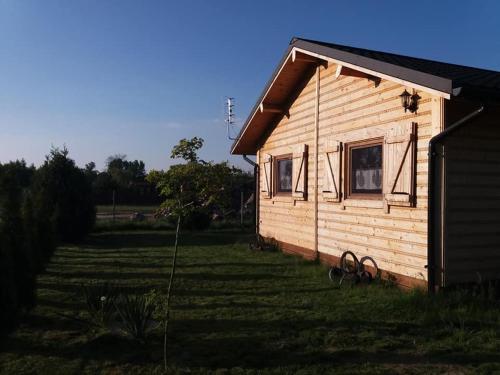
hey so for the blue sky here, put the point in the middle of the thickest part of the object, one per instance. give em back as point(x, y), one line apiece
point(133, 77)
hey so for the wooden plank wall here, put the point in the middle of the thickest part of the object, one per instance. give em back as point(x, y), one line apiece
point(282, 218)
point(396, 240)
point(472, 208)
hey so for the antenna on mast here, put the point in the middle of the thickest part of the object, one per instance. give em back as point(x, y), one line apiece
point(230, 117)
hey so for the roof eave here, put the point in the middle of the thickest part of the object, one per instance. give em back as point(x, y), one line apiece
point(441, 84)
point(268, 85)
point(435, 84)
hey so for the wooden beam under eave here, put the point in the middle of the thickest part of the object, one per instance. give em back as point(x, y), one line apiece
point(338, 71)
point(303, 58)
point(345, 71)
point(266, 107)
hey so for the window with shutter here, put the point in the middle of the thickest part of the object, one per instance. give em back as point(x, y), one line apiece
point(266, 186)
point(299, 175)
point(332, 165)
point(364, 169)
point(399, 165)
point(282, 170)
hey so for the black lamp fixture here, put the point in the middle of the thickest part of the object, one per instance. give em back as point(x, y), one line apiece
point(410, 101)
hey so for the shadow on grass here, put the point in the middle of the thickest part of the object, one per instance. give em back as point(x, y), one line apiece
point(251, 354)
point(161, 264)
point(74, 290)
point(51, 322)
point(255, 293)
point(227, 343)
point(105, 347)
point(116, 241)
point(104, 276)
point(69, 304)
point(248, 265)
point(88, 256)
point(230, 277)
point(164, 276)
point(249, 345)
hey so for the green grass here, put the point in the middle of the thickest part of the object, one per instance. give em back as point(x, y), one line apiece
point(107, 225)
point(238, 311)
point(125, 209)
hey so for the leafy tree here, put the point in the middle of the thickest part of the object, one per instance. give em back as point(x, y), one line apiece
point(187, 149)
point(90, 168)
point(90, 172)
point(124, 172)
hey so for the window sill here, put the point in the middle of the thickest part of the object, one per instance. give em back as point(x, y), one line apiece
point(283, 198)
point(365, 203)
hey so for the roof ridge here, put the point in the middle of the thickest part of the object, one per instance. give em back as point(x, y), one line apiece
point(333, 45)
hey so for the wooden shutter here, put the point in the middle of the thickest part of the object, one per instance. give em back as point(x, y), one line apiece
point(332, 165)
point(299, 172)
point(399, 165)
point(266, 186)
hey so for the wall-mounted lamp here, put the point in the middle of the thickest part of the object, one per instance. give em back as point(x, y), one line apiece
point(410, 101)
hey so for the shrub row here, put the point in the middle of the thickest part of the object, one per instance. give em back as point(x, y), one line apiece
point(38, 208)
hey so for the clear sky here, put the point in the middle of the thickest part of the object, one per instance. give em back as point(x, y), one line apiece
point(133, 77)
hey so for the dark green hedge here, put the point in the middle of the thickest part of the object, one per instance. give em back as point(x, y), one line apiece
point(38, 208)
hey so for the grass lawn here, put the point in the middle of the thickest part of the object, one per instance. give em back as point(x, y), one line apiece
point(237, 311)
point(125, 209)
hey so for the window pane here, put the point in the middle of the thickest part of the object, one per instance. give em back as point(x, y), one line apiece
point(366, 173)
point(285, 175)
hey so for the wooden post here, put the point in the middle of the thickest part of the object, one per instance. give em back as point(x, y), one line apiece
point(241, 209)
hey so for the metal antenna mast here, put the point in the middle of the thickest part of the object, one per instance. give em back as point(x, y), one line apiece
point(230, 117)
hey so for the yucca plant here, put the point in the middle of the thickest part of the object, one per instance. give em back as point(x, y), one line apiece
point(136, 313)
point(99, 300)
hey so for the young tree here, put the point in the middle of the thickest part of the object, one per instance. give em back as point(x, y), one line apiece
point(188, 188)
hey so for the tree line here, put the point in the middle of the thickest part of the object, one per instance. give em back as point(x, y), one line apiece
point(123, 181)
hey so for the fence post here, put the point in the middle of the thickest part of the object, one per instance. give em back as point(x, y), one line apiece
point(241, 209)
point(114, 205)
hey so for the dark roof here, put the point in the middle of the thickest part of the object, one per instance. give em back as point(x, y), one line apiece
point(459, 75)
point(440, 76)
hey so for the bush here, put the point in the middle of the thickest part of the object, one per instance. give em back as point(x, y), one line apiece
point(109, 306)
point(136, 313)
point(20, 251)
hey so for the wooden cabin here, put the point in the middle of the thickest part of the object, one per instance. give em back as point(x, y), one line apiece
point(387, 156)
